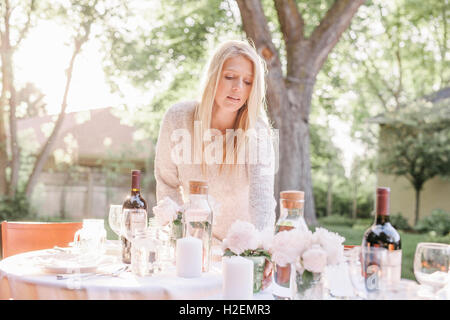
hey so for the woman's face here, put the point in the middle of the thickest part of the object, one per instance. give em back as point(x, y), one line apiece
point(235, 84)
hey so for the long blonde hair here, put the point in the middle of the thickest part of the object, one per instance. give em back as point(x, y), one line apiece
point(253, 108)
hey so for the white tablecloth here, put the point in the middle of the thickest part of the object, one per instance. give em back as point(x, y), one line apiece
point(22, 278)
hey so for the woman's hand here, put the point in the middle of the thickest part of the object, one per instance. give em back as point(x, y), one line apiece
point(267, 274)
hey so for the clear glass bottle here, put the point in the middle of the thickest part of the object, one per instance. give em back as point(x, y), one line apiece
point(291, 211)
point(291, 216)
point(143, 252)
point(198, 218)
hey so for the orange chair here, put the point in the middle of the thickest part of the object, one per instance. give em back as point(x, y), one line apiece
point(18, 237)
point(350, 246)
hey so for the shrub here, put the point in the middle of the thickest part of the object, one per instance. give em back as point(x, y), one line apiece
point(362, 224)
point(400, 222)
point(16, 208)
point(336, 220)
point(438, 221)
point(434, 237)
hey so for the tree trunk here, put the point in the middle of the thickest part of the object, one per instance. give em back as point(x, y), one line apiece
point(355, 201)
point(89, 199)
point(8, 97)
point(8, 84)
point(3, 150)
point(295, 166)
point(45, 151)
point(417, 208)
point(289, 97)
point(329, 189)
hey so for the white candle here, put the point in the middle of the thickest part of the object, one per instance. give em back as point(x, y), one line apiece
point(189, 257)
point(237, 278)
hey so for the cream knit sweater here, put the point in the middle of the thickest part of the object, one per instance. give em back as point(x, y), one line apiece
point(246, 195)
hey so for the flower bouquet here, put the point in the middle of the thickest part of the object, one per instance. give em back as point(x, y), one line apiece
point(308, 254)
point(243, 239)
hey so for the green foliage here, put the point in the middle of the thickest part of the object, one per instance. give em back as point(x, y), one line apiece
point(342, 198)
point(438, 221)
point(399, 222)
point(337, 220)
point(16, 208)
point(432, 236)
point(362, 224)
point(249, 253)
point(418, 144)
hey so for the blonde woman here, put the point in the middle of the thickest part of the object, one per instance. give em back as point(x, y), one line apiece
point(199, 140)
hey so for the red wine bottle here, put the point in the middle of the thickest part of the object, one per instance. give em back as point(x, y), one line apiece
point(134, 219)
point(381, 248)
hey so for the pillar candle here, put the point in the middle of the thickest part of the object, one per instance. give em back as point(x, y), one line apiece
point(237, 278)
point(189, 257)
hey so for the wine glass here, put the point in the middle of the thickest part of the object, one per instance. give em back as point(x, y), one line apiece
point(353, 258)
point(431, 267)
point(115, 218)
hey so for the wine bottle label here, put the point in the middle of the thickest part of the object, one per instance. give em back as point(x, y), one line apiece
point(372, 277)
point(136, 220)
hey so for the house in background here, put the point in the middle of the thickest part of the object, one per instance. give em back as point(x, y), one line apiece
point(90, 163)
point(436, 191)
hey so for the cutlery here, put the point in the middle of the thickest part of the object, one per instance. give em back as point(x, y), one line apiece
point(116, 273)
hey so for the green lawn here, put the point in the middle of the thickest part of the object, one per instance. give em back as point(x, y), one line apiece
point(409, 243)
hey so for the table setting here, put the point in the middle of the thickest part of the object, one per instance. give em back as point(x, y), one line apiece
point(173, 255)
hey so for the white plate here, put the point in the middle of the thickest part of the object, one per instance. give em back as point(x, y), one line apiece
point(66, 262)
point(70, 269)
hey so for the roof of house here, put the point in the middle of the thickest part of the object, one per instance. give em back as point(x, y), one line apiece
point(93, 133)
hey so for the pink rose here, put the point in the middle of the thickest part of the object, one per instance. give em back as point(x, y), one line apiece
point(286, 246)
point(166, 211)
point(332, 244)
point(241, 236)
point(315, 259)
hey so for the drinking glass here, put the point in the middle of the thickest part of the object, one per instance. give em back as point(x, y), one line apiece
point(353, 259)
point(165, 251)
point(114, 218)
point(91, 238)
point(431, 267)
point(143, 252)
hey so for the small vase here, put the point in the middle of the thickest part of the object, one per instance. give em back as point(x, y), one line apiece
point(308, 285)
point(259, 264)
point(283, 282)
point(176, 231)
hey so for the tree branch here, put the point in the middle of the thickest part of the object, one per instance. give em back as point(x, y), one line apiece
point(45, 151)
point(292, 27)
point(24, 31)
point(255, 26)
point(327, 33)
point(374, 87)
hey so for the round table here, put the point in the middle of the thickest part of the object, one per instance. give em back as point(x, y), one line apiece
point(21, 278)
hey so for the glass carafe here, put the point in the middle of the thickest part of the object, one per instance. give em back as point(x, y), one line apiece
point(199, 218)
point(291, 216)
point(291, 211)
